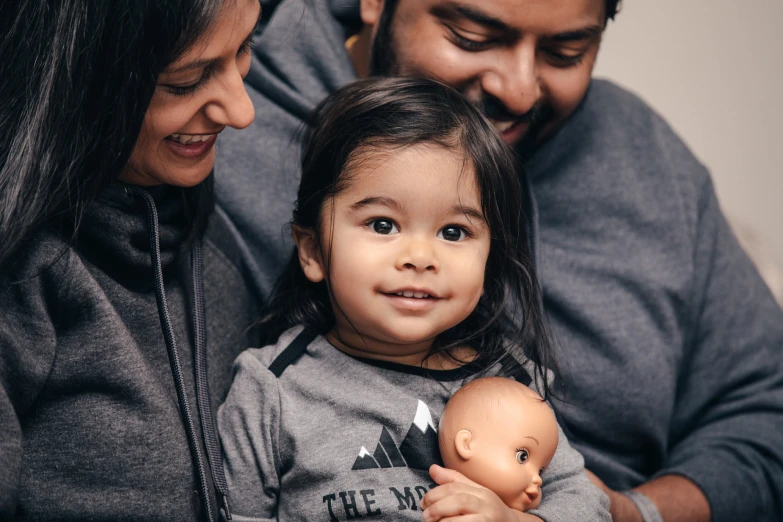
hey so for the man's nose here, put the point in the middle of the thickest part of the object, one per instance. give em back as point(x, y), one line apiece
point(514, 81)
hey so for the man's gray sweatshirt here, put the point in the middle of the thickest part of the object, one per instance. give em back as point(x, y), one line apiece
point(671, 346)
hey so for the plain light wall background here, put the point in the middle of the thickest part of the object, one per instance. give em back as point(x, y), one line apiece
point(714, 70)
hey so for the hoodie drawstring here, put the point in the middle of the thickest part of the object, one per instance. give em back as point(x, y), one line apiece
point(202, 383)
point(202, 387)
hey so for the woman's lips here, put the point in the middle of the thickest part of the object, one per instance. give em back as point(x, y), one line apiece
point(194, 149)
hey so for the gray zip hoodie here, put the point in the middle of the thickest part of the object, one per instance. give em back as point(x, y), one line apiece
point(671, 346)
point(95, 381)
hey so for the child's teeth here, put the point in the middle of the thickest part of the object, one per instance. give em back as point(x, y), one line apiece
point(410, 293)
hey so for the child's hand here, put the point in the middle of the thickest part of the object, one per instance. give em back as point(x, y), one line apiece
point(459, 499)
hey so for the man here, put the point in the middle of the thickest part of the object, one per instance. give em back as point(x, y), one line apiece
point(671, 345)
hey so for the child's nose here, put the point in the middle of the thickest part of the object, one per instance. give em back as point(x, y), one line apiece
point(418, 255)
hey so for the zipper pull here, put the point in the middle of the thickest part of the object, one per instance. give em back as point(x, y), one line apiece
point(224, 505)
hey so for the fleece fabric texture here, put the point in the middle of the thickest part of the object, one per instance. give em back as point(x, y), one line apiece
point(337, 438)
point(671, 346)
point(89, 421)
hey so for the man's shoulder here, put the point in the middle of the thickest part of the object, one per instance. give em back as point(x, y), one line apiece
point(621, 118)
point(617, 133)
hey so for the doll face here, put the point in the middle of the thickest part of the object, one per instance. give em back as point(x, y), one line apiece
point(406, 246)
point(511, 457)
point(502, 435)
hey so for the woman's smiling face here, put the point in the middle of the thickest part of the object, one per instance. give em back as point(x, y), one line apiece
point(196, 97)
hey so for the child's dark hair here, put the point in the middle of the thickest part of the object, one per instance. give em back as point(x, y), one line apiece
point(385, 113)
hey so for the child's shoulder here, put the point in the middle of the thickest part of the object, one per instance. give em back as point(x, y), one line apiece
point(268, 354)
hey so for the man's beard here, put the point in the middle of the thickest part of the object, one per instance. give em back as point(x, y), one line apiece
point(383, 58)
point(383, 62)
point(536, 119)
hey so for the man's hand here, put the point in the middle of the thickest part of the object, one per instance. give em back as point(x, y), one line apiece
point(676, 498)
point(459, 499)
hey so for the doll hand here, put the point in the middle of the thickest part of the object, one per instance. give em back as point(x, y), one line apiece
point(459, 499)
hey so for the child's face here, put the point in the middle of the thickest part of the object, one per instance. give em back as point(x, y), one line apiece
point(408, 249)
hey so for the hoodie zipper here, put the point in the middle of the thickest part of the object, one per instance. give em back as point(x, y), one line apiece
point(202, 385)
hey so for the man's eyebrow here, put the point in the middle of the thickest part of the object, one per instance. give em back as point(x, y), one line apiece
point(379, 201)
point(532, 437)
point(198, 64)
point(585, 33)
point(451, 10)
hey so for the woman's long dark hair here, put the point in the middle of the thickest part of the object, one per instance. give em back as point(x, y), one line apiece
point(401, 112)
point(76, 78)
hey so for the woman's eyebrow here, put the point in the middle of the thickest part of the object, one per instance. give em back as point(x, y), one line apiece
point(206, 62)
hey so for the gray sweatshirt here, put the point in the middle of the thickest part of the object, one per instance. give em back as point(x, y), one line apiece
point(671, 346)
point(336, 438)
point(91, 425)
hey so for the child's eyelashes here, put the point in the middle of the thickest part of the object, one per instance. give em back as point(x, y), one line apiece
point(383, 226)
point(453, 233)
point(386, 226)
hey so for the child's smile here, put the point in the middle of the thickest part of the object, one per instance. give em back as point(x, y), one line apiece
point(408, 250)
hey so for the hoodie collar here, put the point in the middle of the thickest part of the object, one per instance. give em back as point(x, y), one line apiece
point(114, 234)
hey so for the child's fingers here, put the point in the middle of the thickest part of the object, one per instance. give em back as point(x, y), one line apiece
point(452, 505)
point(443, 475)
point(450, 500)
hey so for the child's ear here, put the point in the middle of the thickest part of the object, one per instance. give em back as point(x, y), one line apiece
point(309, 254)
point(463, 443)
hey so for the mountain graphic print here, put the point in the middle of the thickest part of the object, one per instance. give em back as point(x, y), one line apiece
point(418, 450)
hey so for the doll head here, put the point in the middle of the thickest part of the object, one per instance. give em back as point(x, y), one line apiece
point(502, 435)
point(354, 135)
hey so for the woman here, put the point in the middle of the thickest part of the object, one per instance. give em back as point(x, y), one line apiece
point(116, 319)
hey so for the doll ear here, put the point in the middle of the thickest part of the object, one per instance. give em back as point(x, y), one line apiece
point(309, 254)
point(463, 444)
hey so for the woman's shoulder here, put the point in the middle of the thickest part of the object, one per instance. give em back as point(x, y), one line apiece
point(42, 262)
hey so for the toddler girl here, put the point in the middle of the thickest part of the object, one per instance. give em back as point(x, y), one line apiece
point(410, 246)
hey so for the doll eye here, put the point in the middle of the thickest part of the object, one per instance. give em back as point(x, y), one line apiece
point(522, 456)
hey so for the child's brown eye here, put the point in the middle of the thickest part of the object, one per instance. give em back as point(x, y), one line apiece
point(522, 456)
point(384, 226)
point(452, 233)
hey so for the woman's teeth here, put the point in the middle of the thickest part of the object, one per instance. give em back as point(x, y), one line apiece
point(417, 295)
point(187, 139)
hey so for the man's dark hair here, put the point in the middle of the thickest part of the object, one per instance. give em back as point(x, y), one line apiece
point(76, 79)
point(612, 8)
point(382, 114)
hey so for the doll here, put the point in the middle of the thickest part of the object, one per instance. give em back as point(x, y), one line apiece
point(502, 435)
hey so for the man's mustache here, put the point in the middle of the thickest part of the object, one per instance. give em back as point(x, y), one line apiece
point(494, 109)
